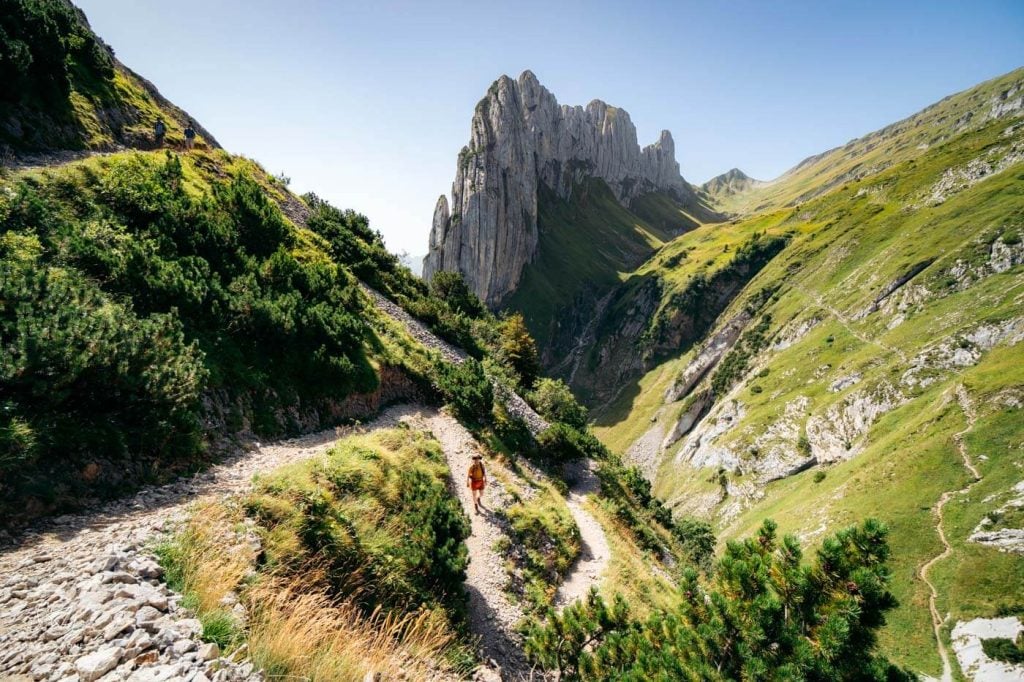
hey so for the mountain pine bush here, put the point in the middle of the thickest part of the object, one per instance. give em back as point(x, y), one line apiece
point(763, 615)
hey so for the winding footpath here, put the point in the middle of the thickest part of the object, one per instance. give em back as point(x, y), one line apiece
point(81, 596)
point(594, 550)
point(937, 620)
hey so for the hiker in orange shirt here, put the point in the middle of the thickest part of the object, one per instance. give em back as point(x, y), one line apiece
point(477, 480)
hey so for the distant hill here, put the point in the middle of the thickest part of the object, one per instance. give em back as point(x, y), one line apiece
point(729, 183)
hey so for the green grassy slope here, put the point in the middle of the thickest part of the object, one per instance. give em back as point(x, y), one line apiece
point(586, 243)
point(64, 90)
point(869, 389)
point(897, 143)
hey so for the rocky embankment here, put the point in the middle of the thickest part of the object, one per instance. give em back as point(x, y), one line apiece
point(81, 596)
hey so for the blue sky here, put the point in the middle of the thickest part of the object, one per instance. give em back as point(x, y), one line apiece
point(368, 103)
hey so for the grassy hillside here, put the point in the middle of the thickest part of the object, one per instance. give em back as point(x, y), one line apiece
point(898, 143)
point(585, 245)
point(65, 90)
point(882, 337)
point(152, 303)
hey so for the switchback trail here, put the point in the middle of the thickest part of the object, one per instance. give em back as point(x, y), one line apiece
point(937, 620)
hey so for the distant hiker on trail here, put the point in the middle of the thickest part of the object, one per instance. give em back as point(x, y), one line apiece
point(159, 130)
point(476, 480)
point(190, 136)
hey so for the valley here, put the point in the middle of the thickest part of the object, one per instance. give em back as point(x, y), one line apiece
point(827, 349)
point(748, 429)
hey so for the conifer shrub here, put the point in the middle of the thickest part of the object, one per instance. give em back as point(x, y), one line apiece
point(466, 388)
point(763, 615)
point(126, 296)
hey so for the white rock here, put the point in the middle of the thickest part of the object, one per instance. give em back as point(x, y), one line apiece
point(209, 651)
point(95, 665)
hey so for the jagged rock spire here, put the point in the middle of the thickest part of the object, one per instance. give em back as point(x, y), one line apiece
point(521, 137)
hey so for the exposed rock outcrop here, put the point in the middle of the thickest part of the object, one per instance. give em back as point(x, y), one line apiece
point(521, 138)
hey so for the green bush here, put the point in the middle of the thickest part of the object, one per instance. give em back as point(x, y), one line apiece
point(555, 402)
point(517, 350)
point(698, 540)
point(124, 296)
point(44, 49)
point(451, 288)
point(82, 374)
point(466, 388)
point(562, 443)
point(1003, 649)
point(764, 615)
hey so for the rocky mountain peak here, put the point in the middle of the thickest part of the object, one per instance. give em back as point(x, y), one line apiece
point(520, 139)
point(731, 182)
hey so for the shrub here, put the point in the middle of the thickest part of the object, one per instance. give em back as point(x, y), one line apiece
point(517, 349)
point(555, 402)
point(562, 443)
point(698, 540)
point(451, 288)
point(819, 476)
point(124, 297)
point(763, 615)
point(466, 388)
point(1003, 649)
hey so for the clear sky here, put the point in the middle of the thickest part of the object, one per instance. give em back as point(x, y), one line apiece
point(368, 103)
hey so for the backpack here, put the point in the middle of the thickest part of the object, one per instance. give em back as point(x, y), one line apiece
point(476, 471)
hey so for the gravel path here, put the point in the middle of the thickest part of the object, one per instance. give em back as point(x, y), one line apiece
point(492, 615)
point(80, 596)
point(594, 550)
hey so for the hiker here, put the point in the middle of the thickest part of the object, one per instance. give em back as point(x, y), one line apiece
point(159, 130)
point(476, 480)
point(190, 136)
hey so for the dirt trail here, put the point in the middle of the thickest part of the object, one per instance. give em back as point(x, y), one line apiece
point(594, 551)
point(937, 620)
point(492, 615)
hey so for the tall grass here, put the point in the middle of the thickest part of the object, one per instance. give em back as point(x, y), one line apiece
point(297, 631)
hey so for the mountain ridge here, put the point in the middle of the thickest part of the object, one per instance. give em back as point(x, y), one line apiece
point(522, 139)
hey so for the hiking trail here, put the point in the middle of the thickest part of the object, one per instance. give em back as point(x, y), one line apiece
point(963, 399)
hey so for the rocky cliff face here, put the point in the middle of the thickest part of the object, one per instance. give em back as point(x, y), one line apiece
point(522, 138)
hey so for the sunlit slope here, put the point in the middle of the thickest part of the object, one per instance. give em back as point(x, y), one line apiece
point(863, 157)
point(889, 323)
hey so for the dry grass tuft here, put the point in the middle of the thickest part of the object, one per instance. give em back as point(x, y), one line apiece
point(297, 631)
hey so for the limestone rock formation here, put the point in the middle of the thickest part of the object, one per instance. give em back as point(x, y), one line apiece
point(520, 138)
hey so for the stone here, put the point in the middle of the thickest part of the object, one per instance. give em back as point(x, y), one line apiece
point(116, 627)
point(209, 651)
point(146, 617)
point(183, 646)
point(95, 665)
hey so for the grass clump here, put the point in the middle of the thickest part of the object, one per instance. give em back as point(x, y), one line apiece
point(545, 543)
point(348, 564)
